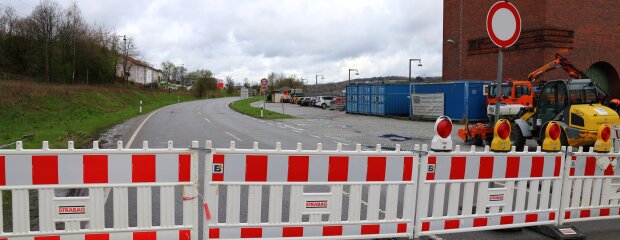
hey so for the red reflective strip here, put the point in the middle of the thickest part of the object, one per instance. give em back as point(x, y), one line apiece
point(143, 168)
point(538, 163)
point(407, 168)
point(292, 231)
point(480, 222)
point(431, 175)
point(144, 235)
point(218, 177)
point(401, 228)
point(609, 171)
point(298, 168)
point(567, 215)
point(44, 170)
point(590, 166)
point(376, 169)
point(451, 224)
point(558, 164)
point(252, 232)
point(47, 238)
point(584, 214)
point(214, 233)
point(572, 167)
point(457, 167)
point(95, 168)
point(185, 161)
point(552, 216)
point(485, 171)
point(604, 212)
point(506, 220)
point(97, 236)
point(338, 169)
point(426, 226)
point(185, 234)
point(512, 167)
point(2, 172)
point(531, 217)
point(332, 230)
point(370, 229)
point(255, 168)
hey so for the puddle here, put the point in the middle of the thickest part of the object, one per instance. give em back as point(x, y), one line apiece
point(396, 138)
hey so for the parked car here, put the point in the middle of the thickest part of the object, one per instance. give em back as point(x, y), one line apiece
point(338, 103)
point(323, 101)
point(301, 100)
point(312, 102)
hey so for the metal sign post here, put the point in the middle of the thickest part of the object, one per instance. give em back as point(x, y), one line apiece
point(504, 27)
point(498, 92)
point(264, 83)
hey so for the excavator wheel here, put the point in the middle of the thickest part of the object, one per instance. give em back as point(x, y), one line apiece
point(517, 138)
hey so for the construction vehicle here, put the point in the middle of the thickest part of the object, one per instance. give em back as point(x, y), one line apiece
point(575, 103)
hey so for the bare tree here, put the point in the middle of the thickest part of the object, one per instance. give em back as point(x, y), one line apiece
point(46, 17)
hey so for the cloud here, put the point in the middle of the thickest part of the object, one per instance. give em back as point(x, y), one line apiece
point(251, 38)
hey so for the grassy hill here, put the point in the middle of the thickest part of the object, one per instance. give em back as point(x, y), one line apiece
point(38, 112)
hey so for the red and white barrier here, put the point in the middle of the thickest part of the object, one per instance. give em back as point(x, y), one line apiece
point(513, 189)
point(101, 172)
point(319, 184)
point(590, 188)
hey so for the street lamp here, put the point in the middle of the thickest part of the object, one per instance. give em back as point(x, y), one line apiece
point(411, 85)
point(316, 82)
point(356, 73)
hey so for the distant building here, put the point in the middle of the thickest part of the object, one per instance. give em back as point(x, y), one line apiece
point(585, 32)
point(139, 72)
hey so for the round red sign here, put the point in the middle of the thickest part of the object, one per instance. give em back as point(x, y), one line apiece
point(503, 24)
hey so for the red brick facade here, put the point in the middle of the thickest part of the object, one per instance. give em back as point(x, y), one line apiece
point(584, 31)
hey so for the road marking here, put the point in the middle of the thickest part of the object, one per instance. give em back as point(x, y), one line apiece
point(314, 136)
point(345, 144)
point(206, 119)
point(135, 133)
point(297, 131)
point(229, 134)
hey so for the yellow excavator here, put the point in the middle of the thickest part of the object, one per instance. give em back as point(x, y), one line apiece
point(576, 103)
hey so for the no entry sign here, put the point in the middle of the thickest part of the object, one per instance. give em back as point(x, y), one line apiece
point(503, 24)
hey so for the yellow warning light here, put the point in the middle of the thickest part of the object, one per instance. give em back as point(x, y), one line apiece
point(552, 141)
point(602, 143)
point(501, 136)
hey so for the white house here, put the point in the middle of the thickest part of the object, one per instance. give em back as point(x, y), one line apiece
point(139, 72)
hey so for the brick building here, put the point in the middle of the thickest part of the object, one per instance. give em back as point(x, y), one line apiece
point(584, 31)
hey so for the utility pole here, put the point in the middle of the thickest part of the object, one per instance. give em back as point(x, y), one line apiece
point(125, 64)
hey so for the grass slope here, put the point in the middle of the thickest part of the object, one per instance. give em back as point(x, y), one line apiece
point(244, 106)
point(59, 113)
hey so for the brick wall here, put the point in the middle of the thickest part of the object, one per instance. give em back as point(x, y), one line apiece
point(585, 32)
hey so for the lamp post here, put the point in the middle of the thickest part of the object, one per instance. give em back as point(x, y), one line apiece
point(411, 85)
point(356, 73)
point(316, 82)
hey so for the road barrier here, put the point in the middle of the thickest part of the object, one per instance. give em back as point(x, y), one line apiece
point(45, 174)
point(487, 190)
point(590, 190)
point(310, 194)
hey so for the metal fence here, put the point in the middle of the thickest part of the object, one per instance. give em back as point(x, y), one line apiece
point(35, 184)
point(310, 194)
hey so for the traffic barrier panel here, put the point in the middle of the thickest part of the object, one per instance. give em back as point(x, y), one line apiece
point(310, 194)
point(473, 191)
point(43, 174)
point(590, 190)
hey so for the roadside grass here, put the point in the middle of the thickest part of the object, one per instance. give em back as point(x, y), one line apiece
point(61, 113)
point(243, 106)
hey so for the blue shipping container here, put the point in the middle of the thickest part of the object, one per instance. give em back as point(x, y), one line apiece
point(462, 99)
point(378, 99)
point(351, 99)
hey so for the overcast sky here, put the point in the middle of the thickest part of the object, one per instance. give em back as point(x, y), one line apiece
point(251, 38)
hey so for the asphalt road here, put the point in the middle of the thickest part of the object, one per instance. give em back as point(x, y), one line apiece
point(213, 120)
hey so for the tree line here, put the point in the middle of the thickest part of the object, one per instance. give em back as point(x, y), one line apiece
point(56, 45)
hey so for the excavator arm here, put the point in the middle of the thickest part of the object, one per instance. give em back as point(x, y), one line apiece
point(559, 62)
